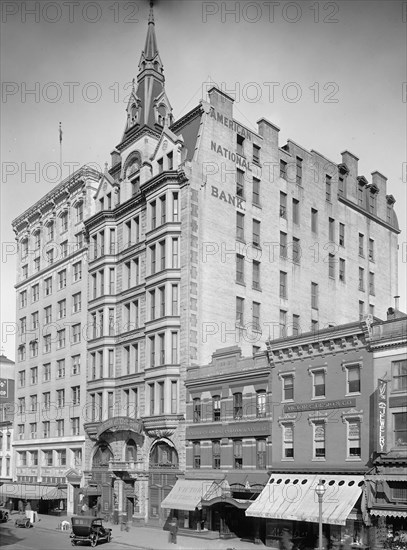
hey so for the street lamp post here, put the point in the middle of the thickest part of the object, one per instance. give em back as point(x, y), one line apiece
point(320, 491)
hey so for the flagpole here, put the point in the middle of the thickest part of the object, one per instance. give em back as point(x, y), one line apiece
point(60, 149)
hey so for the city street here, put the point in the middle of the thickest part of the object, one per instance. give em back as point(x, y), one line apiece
point(15, 538)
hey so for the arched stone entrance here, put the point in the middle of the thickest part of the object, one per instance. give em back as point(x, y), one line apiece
point(163, 471)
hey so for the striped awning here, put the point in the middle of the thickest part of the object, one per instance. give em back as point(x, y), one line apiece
point(188, 493)
point(33, 491)
point(293, 497)
point(389, 513)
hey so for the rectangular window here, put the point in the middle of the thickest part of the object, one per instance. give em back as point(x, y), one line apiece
point(341, 186)
point(197, 409)
point(288, 440)
point(237, 406)
point(75, 426)
point(76, 395)
point(342, 273)
point(50, 231)
point(328, 188)
point(283, 205)
point(153, 214)
point(361, 245)
point(35, 321)
point(196, 450)
point(162, 255)
point(283, 285)
point(152, 305)
point(161, 397)
point(61, 368)
point(296, 211)
point(240, 226)
point(48, 286)
point(216, 408)
point(399, 375)
point(256, 275)
point(314, 220)
point(283, 169)
point(135, 186)
point(152, 351)
point(76, 333)
point(361, 309)
point(371, 284)
point(341, 234)
point(33, 403)
point(354, 449)
point(35, 289)
point(161, 341)
point(331, 266)
point(60, 428)
point(361, 278)
point(64, 249)
point(33, 430)
point(261, 404)
point(46, 373)
point(62, 279)
point(48, 314)
point(152, 259)
point(174, 347)
point(175, 208)
point(162, 300)
point(256, 154)
point(76, 364)
point(174, 397)
point(283, 323)
point(64, 222)
point(283, 244)
point(240, 183)
point(256, 316)
point(331, 230)
point(240, 311)
point(240, 145)
point(319, 440)
point(60, 398)
point(34, 375)
point(298, 166)
point(261, 454)
point(174, 300)
point(372, 203)
point(170, 161)
point(353, 379)
point(46, 428)
point(21, 379)
point(76, 302)
point(163, 208)
point(296, 250)
point(296, 325)
point(175, 254)
point(50, 256)
point(318, 379)
point(256, 192)
point(61, 339)
point(288, 387)
point(239, 268)
point(23, 298)
point(216, 455)
point(400, 429)
point(371, 250)
point(256, 233)
point(237, 454)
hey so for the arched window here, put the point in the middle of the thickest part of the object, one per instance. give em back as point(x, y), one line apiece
point(133, 164)
point(131, 451)
point(163, 455)
point(134, 113)
point(102, 456)
point(162, 113)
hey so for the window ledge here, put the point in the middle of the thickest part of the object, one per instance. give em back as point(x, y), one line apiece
point(354, 459)
point(319, 398)
point(318, 459)
point(240, 283)
point(353, 394)
point(287, 460)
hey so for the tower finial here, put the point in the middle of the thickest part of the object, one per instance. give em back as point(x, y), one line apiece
point(151, 16)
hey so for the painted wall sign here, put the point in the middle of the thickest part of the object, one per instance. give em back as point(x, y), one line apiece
point(230, 155)
point(120, 423)
point(238, 202)
point(220, 430)
point(320, 405)
point(3, 387)
point(229, 123)
point(382, 415)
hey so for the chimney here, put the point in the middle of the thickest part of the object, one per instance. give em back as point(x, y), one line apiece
point(396, 302)
point(351, 162)
point(116, 157)
point(268, 131)
point(222, 102)
point(380, 181)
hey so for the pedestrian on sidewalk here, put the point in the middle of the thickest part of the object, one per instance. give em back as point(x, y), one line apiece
point(173, 530)
point(20, 507)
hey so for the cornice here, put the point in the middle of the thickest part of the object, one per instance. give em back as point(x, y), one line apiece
point(196, 111)
point(263, 372)
point(135, 133)
point(356, 207)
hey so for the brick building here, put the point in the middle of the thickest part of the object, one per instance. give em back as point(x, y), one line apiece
point(7, 397)
point(207, 234)
point(51, 340)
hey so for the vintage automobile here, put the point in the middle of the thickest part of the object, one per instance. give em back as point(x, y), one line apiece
point(89, 529)
point(4, 516)
point(23, 521)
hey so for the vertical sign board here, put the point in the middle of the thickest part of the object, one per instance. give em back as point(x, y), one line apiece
point(4, 388)
point(381, 415)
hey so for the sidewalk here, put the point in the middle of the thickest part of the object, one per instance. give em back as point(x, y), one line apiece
point(151, 538)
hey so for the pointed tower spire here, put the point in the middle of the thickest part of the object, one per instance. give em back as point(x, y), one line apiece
point(150, 48)
point(148, 105)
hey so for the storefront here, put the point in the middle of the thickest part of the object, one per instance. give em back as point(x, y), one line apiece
point(44, 499)
point(290, 508)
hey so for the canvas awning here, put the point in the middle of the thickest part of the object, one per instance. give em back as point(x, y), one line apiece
point(32, 491)
point(389, 513)
point(188, 493)
point(293, 497)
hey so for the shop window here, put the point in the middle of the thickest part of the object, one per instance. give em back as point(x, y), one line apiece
point(398, 490)
point(400, 429)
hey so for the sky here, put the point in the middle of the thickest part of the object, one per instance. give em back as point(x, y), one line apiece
point(331, 75)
